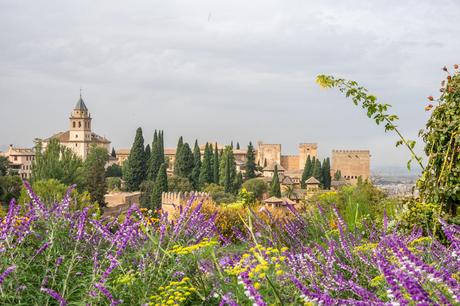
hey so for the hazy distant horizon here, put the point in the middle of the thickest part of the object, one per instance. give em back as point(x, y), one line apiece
point(223, 71)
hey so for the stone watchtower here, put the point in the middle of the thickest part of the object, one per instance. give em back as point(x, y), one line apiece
point(351, 163)
point(306, 149)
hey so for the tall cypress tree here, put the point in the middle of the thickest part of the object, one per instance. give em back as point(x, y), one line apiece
point(238, 182)
point(160, 186)
point(216, 165)
point(227, 175)
point(184, 162)
point(237, 145)
point(275, 188)
point(136, 165)
point(307, 172)
point(317, 173)
point(180, 143)
point(113, 152)
point(227, 161)
point(162, 146)
point(195, 176)
point(206, 171)
point(231, 144)
point(250, 162)
point(147, 154)
point(326, 169)
point(155, 158)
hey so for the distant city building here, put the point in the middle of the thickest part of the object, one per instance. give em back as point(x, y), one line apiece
point(79, 137)
point(20, 160)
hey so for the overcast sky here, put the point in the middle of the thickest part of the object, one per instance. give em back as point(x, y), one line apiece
point(223, 70)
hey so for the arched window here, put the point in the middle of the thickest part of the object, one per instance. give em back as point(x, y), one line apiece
point(73, 123)
point(79, 123)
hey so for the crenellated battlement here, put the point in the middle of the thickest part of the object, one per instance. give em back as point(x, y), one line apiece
point(351, 151)
point(179, 198)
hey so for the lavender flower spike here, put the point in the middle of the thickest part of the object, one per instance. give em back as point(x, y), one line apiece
point(55, 296)
point(6, 273)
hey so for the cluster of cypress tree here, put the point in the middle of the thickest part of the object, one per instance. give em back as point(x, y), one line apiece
point(322, 172)
point(147, 163)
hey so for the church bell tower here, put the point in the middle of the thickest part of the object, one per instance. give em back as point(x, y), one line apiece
point(80, 123)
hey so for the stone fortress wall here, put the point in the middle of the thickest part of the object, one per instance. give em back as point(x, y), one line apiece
point(351, 163)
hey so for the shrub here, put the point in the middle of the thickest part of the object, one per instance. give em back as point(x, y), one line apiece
point(257, 186)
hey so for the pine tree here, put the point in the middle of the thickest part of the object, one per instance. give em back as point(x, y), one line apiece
point(113, 152)
point(216, 165)
point(94, 174)
point(307, 172)
point(237, 145)
point(195, 176)
point(250, 162)
point(231, 144)
point(160, 186)
point(135, 165)
point(206, 171)
point(227, 161)
point(275, 188)
point(327, 173)
point(155, 161)
point(184, 162)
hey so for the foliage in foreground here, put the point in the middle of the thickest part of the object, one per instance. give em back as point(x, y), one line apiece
point(53, 255)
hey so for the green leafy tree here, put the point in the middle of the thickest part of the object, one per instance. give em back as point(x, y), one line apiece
point(56, 162)
point(113, 171)
point(4, 165)
point(250, 162)
point(307, 171)
point(257, 186)
point(195, 175)
point(184, 162)
point(136, 164)
point(440, 181)
point(10, 187)
point(206, 171)
point(326, 173)
point(218, 194)
point(95, 174)
point(146, 189)
point(216, 165)
point(275, 188)
point(179, 184)
point(160, 186)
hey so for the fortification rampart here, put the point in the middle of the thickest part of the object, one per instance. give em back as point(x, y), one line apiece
point(170, 201)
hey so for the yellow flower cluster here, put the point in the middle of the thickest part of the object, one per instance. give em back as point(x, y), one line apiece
point(126, 278)
point(258, 261)
point(420, 241)
point(365, 248)
point(175, 293)
point(17, 221)
point(152, 220)
point(180, 250)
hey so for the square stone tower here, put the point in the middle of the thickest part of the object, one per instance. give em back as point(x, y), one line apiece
point(271, 153)
point(351, 163)
point(306, 149)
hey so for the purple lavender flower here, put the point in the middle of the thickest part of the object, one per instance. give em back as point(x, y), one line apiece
point(55, 296)
point(42, 248)
point(6, 273)
point(107, 294)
